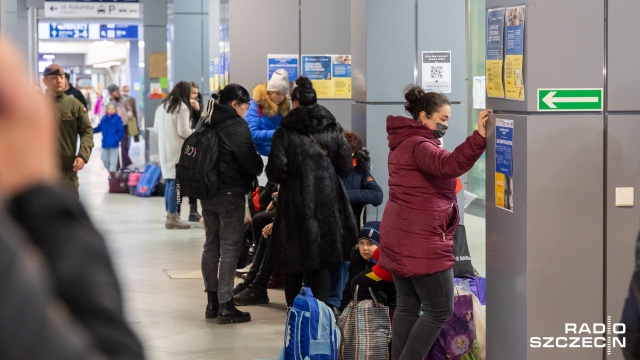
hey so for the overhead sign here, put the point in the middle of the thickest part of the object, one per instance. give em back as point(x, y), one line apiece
point(113, 31)
point(68, 31)
point(92, 9)
point(570, 99)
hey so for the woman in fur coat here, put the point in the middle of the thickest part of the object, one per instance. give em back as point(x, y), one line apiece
point(314, 229)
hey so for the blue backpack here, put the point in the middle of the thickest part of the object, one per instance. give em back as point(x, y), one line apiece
point(149, 180)
point(310, 332)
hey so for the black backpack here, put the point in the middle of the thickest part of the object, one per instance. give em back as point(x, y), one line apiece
point(198, 170)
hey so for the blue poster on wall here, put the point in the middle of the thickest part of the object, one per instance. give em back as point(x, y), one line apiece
point(342, 66)
point(495, 33)
point(287, 62)
point(316, 67)
point(504, 146)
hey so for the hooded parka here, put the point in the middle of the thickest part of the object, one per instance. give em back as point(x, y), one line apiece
point(421, 214)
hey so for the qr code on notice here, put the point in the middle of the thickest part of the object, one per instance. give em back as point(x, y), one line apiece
point(436, 72)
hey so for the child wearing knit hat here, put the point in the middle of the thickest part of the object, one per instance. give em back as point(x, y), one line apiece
point(365, 271)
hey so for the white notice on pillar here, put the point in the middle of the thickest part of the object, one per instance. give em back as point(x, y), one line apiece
point(436, 71)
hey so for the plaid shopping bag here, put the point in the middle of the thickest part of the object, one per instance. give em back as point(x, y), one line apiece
point(366, 330)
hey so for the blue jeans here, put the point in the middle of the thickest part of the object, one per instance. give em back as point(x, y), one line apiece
point(339, 278)
point(414, 334)
point(110, 158)
point(170, 196)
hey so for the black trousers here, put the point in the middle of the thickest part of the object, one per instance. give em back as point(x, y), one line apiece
point(319, 282)
point(259, 274)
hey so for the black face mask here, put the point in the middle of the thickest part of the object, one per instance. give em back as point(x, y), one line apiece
point(440, 130)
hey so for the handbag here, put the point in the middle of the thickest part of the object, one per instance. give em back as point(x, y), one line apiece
point(132, 125)
point(366, 330)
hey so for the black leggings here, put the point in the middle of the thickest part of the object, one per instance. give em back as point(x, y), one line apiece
point(319, 282)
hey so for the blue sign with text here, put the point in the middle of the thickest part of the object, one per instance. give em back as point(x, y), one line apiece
point(69, 31)
point(504, 148)
point(111, 31)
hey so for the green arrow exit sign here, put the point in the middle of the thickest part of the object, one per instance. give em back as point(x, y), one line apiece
point(569, 99)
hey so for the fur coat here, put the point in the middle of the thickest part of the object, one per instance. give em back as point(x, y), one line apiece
point(263, 117)
point(314, 227)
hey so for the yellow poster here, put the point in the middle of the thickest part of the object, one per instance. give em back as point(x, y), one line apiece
point(500, 190)
point(513, 83)
point(342, 88)
point(514, 53)
point(494, 78)
point(323, 88)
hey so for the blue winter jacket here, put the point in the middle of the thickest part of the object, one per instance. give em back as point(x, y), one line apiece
point(262, 127)
point(112, 131)
point(264, 117)
point(361, 187)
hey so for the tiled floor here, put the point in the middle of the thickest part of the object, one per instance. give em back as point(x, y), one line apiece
point(168, 314)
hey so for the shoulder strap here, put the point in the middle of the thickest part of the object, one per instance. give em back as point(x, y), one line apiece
point(325, 152)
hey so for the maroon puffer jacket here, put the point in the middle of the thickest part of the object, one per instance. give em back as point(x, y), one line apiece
point(422, 212)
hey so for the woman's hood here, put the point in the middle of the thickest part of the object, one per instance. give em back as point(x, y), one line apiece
point(309, 119)
point(269, 108)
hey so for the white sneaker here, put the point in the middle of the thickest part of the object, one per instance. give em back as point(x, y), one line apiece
point(244, 270)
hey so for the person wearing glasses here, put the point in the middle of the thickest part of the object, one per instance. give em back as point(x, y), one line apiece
point(223, 214)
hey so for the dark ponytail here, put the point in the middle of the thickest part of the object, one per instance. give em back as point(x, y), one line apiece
point(231, 93)
point(304, 92)
point(418, 101)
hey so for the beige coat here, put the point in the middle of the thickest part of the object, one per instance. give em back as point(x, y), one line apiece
point(172, 130)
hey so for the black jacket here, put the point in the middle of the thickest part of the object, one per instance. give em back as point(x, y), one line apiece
point(60, 298)
point(314, 227)
point(240, 162)
point(361, 187)
point(76, 94)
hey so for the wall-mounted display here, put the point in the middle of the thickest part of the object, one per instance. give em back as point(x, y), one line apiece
point(495, 58)
point(514, 53)
point(436, 71)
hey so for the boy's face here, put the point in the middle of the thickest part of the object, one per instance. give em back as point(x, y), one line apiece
point(366, 247)
point(111, 110)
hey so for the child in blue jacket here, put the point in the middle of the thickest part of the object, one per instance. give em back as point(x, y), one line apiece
point(112, 131)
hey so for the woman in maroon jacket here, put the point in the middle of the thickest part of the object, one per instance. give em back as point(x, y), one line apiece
point(421, 217)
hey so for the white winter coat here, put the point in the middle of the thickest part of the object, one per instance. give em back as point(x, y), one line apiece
point(172, 129)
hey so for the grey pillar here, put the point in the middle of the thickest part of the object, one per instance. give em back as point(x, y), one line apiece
point(136, 74)
point(155, 40)
point(386, 52)
point(14, 24)
point(188, 24)
point(545, 259)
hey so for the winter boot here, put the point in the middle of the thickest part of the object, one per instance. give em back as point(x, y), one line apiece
point(251, 296)
point(240, 288)
point(174, 222)
point(213, 306)
point(193, 212)
point(230, 314)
